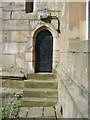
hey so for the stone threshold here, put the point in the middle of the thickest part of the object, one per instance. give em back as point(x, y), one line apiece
point(13, 77)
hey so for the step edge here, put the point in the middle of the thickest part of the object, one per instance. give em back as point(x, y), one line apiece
point(44, 81)
point(39, 99)
point(42, 90)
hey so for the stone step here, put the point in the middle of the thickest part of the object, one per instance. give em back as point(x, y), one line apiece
point(12, 83)
point(40, 84)
point(41, 76)
point(40, 93)
point(37, 113)
point(38, 102)
point(4, 92)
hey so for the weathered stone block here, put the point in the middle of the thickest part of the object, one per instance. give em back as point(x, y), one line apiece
point(49, 112)
point(19, 15)
point(15, 6)
point(71, 63)
point(30, 44)
point(0, 37)
point(29, 57)
point(48, 5)
point(22, 15)
point(33, 24)
point(1, 25)
point(22, 47)
point(0, 4)
point(79, 46)
point(6, 36)
point(6, 15)
point(32, 16)
point(19, 36)
point(35, 112)
point(1, 48)
point(10, 48)
point(15, 84)
point(81, 68)
point(30, 67)
point(8, 62)
point(0, 61)
point(74, 33)
point(15, 24)
point(63, 60)
point(12, 72)
point(0, 13)
point(20, 61)
point(23, 112)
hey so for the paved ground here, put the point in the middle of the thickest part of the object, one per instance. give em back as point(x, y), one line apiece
point(28, 112)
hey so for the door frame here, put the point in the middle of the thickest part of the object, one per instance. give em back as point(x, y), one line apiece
point(56, 48)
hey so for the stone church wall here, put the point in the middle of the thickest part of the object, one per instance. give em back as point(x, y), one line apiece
point(71, 55)
point(18, 32)
point(73, 66)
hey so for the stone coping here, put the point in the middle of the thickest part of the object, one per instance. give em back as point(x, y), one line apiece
point(79, 45)
point(11, 73)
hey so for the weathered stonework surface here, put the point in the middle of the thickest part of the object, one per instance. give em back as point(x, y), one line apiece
point(8, 62)
point(73, 67)
point(6, 15)
point(22, 47)
point(70, 110)
point(0, 13)
point(29, 57)
point(10, 48)
point(56, 6)
point(70, 52)
point(79, 46)
point(1, 25)
point(24, 16)
point(15, 25)
point(15, 36)
point(74, 80)
point(13, 6)
point(19, 36)
point(30, 44)
point(0, 40)
point(0, 37)
point(33, 24)
point(20, 61)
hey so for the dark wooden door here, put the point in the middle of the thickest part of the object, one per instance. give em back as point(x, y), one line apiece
point(43, 50)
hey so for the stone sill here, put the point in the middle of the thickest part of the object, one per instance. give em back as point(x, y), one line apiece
point(79, 46)
point(11, 73)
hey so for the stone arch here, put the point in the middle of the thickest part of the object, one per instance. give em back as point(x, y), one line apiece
point(55, 35)
point(45, 26)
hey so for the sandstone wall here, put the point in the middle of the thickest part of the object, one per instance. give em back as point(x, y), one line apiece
point(70, 52)
point(73, 66)
point(18, 35)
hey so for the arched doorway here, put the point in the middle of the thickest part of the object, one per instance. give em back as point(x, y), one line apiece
point(43, 51)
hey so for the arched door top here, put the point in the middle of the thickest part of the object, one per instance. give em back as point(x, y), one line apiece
point(41, 27)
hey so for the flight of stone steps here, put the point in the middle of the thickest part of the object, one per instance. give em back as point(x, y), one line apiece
point(40, 90)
